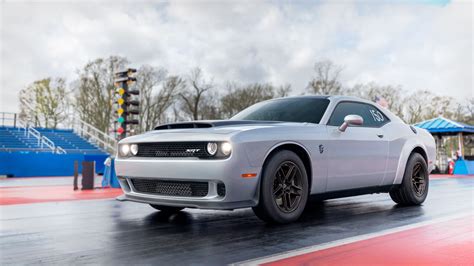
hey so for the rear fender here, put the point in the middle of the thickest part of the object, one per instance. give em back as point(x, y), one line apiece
point(407, 150)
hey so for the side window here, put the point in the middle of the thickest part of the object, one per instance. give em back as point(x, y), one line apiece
point(377, 118)
point(371, 115)
point(343, 109)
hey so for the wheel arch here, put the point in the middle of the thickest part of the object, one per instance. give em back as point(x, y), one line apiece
point(299, 150)
point(421, 151)
point(407, 151)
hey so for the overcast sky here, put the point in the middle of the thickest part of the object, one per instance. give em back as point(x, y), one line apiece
point(422, 45)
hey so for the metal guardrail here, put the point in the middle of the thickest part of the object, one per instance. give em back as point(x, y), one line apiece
point(22, 126)
point(47, 142)
point(60, 150)
point(33, 132)
point(100, 138)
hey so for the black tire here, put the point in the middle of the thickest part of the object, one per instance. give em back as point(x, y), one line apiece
point(283, 192)
point(415, 184)
point(167, 209)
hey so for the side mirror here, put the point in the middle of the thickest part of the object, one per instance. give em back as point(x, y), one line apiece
point(353, 120)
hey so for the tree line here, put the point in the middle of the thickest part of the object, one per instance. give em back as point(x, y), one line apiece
point(168, 97)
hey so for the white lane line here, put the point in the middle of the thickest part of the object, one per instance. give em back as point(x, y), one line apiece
point(349, 240)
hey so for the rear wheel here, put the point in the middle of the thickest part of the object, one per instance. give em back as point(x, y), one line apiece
point(167, 209)
point(414, 187)
point(283, 189)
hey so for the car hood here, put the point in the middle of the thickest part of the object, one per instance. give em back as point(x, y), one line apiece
point(204, 130)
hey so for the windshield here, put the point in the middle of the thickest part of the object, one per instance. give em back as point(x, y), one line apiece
point(286, 110)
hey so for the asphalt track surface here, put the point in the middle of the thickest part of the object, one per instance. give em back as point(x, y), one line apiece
point(110, 232)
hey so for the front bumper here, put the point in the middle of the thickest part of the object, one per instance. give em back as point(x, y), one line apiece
point(239, 192)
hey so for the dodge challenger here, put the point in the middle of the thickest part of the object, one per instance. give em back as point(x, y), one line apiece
point(277, 154)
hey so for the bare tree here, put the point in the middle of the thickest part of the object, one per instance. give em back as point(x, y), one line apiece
point(148, 81)
point(326, 78)
point(165, 98)
point(241, 97)
point(446, 106)
point(96, 91)
point(370, 91)
point(283, 91)
point(423, 105)
point(417, 106)
point(192, 97)
point(210, 107)
point(469, 118)
point(44, 102)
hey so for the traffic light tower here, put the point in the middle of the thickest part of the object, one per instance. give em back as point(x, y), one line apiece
point(127, 105)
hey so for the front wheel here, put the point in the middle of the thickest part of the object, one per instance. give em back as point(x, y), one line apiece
point(414, 187)
point(166, 209)
point(283, 189)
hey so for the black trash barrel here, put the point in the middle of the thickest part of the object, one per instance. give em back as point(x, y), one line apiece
point(88, 168)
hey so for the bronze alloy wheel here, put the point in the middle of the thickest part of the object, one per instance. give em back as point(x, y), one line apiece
point(418, 179)
point(415, 184)
point(287, 187)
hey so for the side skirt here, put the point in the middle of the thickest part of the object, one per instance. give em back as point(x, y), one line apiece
point(352, 192)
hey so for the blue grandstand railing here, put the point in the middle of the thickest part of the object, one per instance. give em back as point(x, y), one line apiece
point(44, 141)
point(98, 137)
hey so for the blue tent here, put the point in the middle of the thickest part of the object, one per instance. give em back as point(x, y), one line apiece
point(440, 127)
point(444, 125)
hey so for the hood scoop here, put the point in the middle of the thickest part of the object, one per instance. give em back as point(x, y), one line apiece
point(183, 125)
point(210, 123)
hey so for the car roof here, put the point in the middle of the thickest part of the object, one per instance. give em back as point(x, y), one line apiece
point(330, 97)
point(338, 98)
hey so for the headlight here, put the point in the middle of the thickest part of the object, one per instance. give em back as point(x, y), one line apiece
point(218, 150)
point(124, 150)
point(212, 148)
point(226, 148)
point(134, 149)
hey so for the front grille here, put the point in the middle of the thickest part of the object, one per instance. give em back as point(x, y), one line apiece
point(173, 149)
point(171, 188)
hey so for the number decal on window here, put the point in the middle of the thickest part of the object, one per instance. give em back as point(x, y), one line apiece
point(376, 115)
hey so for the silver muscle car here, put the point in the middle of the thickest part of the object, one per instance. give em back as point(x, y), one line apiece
point(274, 155)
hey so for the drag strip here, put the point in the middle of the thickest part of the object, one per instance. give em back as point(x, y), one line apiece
point(395, 246)
point(111, 232)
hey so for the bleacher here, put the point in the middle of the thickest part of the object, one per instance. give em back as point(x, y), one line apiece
point(27, 151)
point(8, 139)
point(14, 139)
point(22, 155)
point(70, 141)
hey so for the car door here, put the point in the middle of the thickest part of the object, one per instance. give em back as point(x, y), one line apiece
point(357, 157)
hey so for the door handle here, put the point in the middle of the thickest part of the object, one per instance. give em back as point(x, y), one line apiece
point(380, 135)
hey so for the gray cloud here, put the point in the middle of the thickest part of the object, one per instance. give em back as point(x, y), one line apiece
point(418, 46)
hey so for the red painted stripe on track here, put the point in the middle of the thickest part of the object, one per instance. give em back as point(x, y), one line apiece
point(444, 243)
point(25, 195)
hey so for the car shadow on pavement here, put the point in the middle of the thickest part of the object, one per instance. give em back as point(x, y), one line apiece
point(179, 218)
